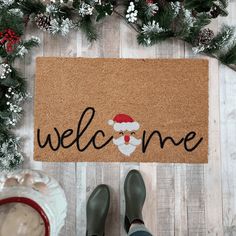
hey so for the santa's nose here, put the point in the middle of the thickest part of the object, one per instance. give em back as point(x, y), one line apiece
point(127, 138)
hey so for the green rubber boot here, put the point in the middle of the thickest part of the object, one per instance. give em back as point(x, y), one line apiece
point(135, 194)
point(97, 209)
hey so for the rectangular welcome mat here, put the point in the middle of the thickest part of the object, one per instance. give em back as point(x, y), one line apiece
point(121, 110)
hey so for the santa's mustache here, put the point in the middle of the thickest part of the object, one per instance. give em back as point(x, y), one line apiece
point(134, 141)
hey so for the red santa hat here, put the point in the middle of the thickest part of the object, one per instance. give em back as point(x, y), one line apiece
point(123, 122)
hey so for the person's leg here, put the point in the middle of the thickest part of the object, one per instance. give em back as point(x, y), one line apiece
point(97, 209)
point(138, 230)
point(135, 195)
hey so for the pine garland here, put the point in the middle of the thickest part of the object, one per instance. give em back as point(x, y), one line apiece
point(12, 85)
point(153, 20)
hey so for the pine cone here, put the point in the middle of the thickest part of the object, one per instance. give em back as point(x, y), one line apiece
point(215, 12)
point(205, 36)
point(43, 21)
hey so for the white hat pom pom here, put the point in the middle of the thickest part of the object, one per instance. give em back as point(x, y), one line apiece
point(110, 122)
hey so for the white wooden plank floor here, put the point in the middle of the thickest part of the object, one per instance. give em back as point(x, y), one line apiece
point(182, 199)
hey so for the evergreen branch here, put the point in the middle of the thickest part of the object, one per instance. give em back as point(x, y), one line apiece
point(229, 56)
point(31, 6)
point(123, 17)
point(165, 17)
point(231, 66)
point(30, 43)
point(220, 40)
point(201, 21)
point(10, 21)
point(222, 57)
point(221, 8)
point(87, 27)
point(22, 48)
point(224, 3)
point(153, 37)
point(199, 5)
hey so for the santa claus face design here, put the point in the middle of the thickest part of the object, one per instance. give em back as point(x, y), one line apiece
point(124, 138)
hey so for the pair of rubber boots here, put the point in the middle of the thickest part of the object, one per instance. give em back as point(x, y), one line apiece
point(99, 201)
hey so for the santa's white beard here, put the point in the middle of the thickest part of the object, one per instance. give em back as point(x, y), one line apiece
point(126, 149)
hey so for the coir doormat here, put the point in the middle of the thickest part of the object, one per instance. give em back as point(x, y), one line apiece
point(121, 110)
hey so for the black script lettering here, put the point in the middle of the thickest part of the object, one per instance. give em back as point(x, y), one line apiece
point(84, 122)
point(190, 136)
point(162, 141)
point(48, 140)
point(103, 135)
point(80, 132)
point(64, 135)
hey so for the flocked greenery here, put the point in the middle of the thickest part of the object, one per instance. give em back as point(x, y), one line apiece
point(153, 20)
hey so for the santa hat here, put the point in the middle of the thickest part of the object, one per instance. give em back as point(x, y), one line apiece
point(123, 122)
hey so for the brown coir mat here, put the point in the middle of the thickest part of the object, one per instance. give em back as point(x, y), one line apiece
point(121, 110)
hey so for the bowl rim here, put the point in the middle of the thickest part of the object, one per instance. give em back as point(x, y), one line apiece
point(32, 204)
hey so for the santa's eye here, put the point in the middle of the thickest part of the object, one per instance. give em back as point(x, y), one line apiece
point(122, 133)
point(132, 133)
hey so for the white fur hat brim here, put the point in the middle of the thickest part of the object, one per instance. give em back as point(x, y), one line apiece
point(129, 126)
